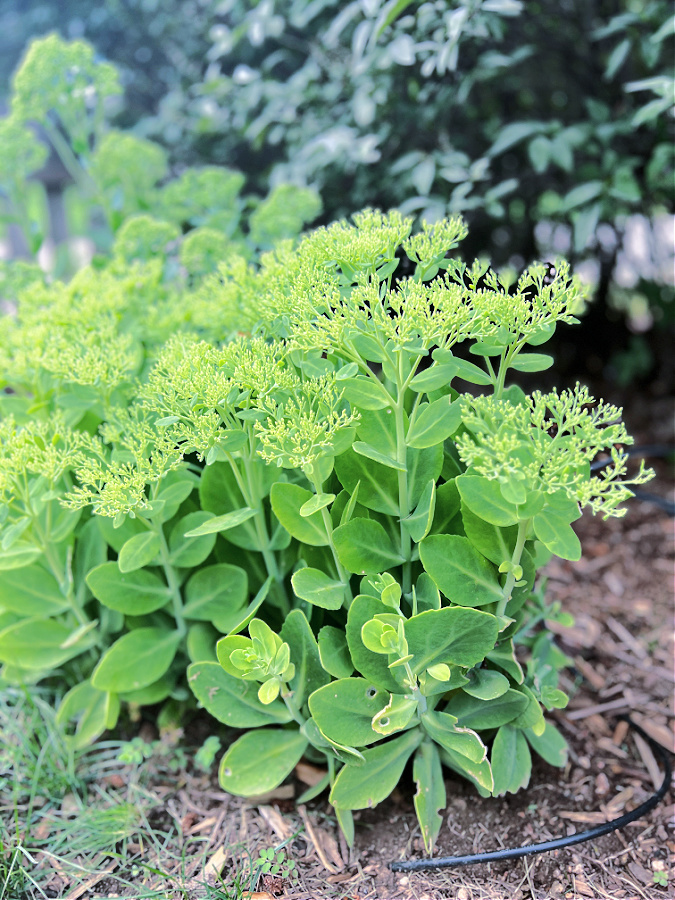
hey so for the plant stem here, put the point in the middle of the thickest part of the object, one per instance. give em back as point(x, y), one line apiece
point(342, 574)
point(64, 579)
point(523, 528)
point(250, 491)
point(403, 499)
point(170, 575)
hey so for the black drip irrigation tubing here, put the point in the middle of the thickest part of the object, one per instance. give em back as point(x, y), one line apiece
point(558, 843)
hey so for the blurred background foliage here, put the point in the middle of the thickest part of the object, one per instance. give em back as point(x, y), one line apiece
point(548, 124)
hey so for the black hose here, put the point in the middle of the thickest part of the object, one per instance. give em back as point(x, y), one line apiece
point(557, 844)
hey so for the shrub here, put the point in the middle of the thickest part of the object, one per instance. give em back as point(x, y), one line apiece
point(343, 545)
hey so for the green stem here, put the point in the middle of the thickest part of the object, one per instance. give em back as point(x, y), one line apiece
point(414, 688)
point(64, 579)
point(287, 697)
point(342, 573)
point(403, 499)
point(70, 161)
point(523, 528)
point(170, 575)
point(504, 362)
point(251, 493)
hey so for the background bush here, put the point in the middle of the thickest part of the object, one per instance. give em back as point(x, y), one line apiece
point(549, 125)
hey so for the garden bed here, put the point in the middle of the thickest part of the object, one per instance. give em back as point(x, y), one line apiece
point(188, 839)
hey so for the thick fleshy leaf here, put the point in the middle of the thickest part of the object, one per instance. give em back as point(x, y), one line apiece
point(93, 711)
point(188, 552)
point(430, 796)
point(532, 362)
point(136, 660)
point(434, 423)
point(378, 484)
point(364, 547)
point(31, 591)
point(371, 665)
point(140, 550)
point(344, 710)
point(366, 393)
point(437, 376)
point(309, 673)
point(550, 745)
point(486, 684)
point(153, 693)
point(41, 644)
point(452, 635)
point(232, 700)
point(447, 518)
point(510, 760)
point(479, 773)
point(459, 570)
point(117, 537)
point(287, 500)
point(260, 760)
point(219, 493)
point(365, 786)
point(504, 656)
point(334, 652)
point(418, 523)
point(314, 586)
point(201, 642)
point(444, 730)
point(553, 529)
point(215, 591)
point(218, 524)
point(423, 466)
point(484, 498)
point(234, 621)
point(494, 543)
point(19, 555)
point(373, 453)
point(133, 593)
point(396, 715)
point(471, 712)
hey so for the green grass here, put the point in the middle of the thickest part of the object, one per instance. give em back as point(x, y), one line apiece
point(55, 805)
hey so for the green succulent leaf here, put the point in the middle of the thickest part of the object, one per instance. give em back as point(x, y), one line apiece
point(459, 570)
point(31, 591)
point(334, 652)
point(287, 501)
point(365, 786)
point(510, 760)
point(260, 760)
point(364, 547)
point(317, 588)
point(430, 796)
point(231, 700)
point(215, 592)
point(309, 674)
point(136, 660)
point(484, 498)
point(452, 635)
point(344, 710)
point(134, 593)
point(140, 550)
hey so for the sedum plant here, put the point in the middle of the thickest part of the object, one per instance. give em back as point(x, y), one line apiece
point(122, 194)
point(321, 497)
